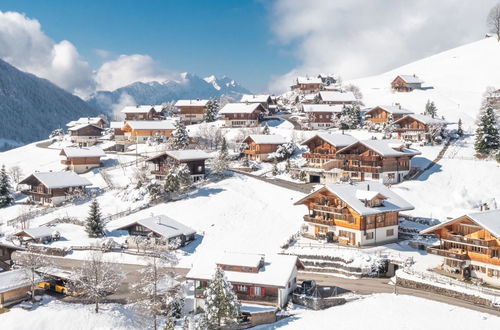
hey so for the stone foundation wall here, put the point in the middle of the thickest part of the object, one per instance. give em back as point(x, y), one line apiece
point(317, 304)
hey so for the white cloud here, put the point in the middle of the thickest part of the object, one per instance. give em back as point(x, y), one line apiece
point(127, 69)
point(24, 45)
point(356, 38)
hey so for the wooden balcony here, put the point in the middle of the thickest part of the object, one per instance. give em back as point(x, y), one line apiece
point(65, 162)
point(308, 155)
point(360, 158)
point(451, 253)
point(470, 241)
point(363, 169)
point(37, 193)
point(312, 219)
point(329, 222)
point(327, 209)
point(411, 129)
point(250, 152)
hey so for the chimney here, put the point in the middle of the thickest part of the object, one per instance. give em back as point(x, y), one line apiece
point(366, 202)
point(368, 187)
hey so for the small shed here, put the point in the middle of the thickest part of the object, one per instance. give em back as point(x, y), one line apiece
point(38, 234)
point(14, 287)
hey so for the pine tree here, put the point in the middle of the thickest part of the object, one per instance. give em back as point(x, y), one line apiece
point(180, 137)
point(222, 306)
point(6, 197)
point(275, 168)
point(221, 163)
point(172, 183)
point(487, 135)
point(460, 130)
point(430, 109)
point(266, 130)
point(94, 225)
point(211, 110)
point(288, 166)
point(317, 99)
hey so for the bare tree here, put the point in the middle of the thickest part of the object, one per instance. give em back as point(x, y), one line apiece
point(97, 278)
point(16, 173)
point(493, 20)
point(31, 262)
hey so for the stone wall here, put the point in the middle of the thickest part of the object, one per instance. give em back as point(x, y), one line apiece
point(317, 303)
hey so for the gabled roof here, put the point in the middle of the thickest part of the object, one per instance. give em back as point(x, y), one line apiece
point(331, 96)
point(241, 108)
point(336, 140)
point(192, 103)
point(386, 148)
point(14, 279)
point(489, 220)
point(141, 108)
point(37, 232)
point(266, 139)
point(72, 152)
point(427, 120)
point(150, 124)
point(80, 126)
point(309, 80)
point(240, 259)
point(85, 120)
point(54, 180)
point(350, 194)
point(163, 226)
point(183, 155)
point(252, 98)
point(309, 97)
point(277, 271)
point(410, 79)
point(330, 108)
point(393, 109)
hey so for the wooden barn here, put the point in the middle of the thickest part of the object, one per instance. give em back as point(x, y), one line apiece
point(406, 83)
point(259, 146)
point(81, 160)
point(194, 160)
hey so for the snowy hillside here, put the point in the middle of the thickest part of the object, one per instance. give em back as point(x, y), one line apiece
point(455, 81)
point(32, 107)
point(188, 86)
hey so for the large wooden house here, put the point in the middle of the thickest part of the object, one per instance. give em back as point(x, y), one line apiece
point(357, 214)
point(323, 148)
point(386, 113)
point(416, 127)
point(263, 99)
point(386, 161)
point(143, 112)
point(470, 245)
point(118, 133)
point(259, 146)
point(141, 130)
point(242, 114)
point(344, 98)
point(256, 279)
point(97, 121)
point(85, 135)
point(406, 83)
point(321, 116)
point(53, 188)
point(81, 160)
point(192, 111)
point(307, 85)
point(194, 160)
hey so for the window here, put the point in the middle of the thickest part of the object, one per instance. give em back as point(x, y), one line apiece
point(257, 291)
point(369, 235)
point(242, 288)
point(391, 176)
point(375, 176)
point(389, 232)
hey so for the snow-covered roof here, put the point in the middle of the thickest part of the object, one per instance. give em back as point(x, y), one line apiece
point(354, 196)
point(394, 109)
point(189, 154)
point(267, 139)
point(309, 80)
point(163, 226)
point(331, 96)
point(151, 124)
point(309, 97)
point(80, 126)
point(14, 279)
point(276, 272)
point(56, 272)
point(240, 108)
point(252, 98)
point(239, 259)
point(387, 148)
point(192, 103)
point(489, 220)
point(54, 180)
point(37, 232)
point(368, 194)
point(85, 120)
point(411, 79)
point(116, 124)
point(72, 152)
point(337, 140)
point(331, 108)
point(141, 108)
point(427, 120)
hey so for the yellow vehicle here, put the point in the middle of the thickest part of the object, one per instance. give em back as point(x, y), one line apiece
point(44, 285)
point(59, 287)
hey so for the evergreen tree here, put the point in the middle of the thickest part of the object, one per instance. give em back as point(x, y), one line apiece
point(316, 99)
point(6, 197)
point(288, 166)
point(211, 110)
point(275, 168)
point(94, 225)
point(460, 130)
point(487, 135)
point(222, 306)
point(172, 183)
point(221, 163)
point(266, 130)
point(180, 137)
point(430, 109)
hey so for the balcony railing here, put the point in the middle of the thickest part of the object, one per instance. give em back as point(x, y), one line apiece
point(321, 156)
point(329, 222)
point(453, 254)
point(470, 241)
point(327, 209)
point(363, 169)
point(360, 158)
point(250, 152)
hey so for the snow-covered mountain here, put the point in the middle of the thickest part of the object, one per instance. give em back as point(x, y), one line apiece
point(454, 79)
point(31, 107)
point(155, 92)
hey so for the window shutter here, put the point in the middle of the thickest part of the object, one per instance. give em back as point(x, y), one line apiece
point(252, 291)
point(262, 292)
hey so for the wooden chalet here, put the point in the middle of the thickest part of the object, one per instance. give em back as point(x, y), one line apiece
point(143, 112)
point(321, 116)
point(192, 111)
point(386, 113)
point(194, 160)
point(242, 114)
point(494, 99)
point(81, 160)
point(263, 99)
point(307, 85)
point(6, 250)
point(96, 121)
point(406, 83)
point(470, 245)
point(256, 279)
point(141, 131)
point(53, 188)
point(162, 229)
point(416, 127)
point(85, 135)
point(357, 214)
point(386, 161)
point(344, 98)
point(42, 234)
point(259, 146)
point(323, 148)
point(14, 287)
point(118, 133)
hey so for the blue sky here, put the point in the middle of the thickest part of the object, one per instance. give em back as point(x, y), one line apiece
point(203, 37)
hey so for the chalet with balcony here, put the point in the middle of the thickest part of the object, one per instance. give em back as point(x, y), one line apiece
point(192, 111)
point(162, 229)
point(242, 114)
point(141, 131)
point(307, 85)
point(415, 127)
point(53, 188)
point(470, 245)
point(386, 113)
point(118, 133)
point(257, 147)
point(386, 161)
point(263, 99)
point(323, 148)
point(142, 112)
point(194, 160)
point(256, 279)
point(406, 83)
point(342, 98)
point(357, 214)
point(85, 135)
point(81, 160)
point(321, 116)
point(96, 121)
